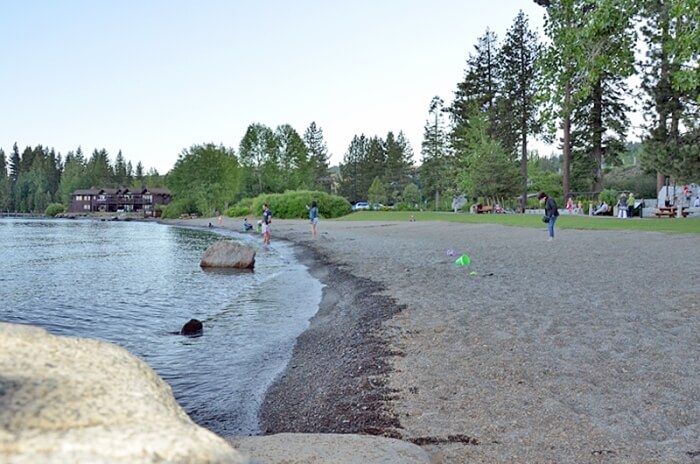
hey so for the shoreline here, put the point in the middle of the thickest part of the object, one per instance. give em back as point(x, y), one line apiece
point(337, 377)
point(578, 350)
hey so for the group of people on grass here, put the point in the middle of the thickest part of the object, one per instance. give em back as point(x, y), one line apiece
point(624, 205)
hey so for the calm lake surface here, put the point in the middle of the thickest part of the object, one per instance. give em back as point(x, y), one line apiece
point(135, 284)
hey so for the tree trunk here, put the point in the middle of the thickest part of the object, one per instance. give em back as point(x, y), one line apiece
point(566, 176)
point(523, 152)
point(597, 126)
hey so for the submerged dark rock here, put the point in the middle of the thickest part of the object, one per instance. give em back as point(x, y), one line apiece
point(192, 327)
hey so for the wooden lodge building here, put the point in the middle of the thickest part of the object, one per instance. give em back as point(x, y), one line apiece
point(114, 200)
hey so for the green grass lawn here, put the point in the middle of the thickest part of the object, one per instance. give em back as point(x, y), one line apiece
point(675, 226)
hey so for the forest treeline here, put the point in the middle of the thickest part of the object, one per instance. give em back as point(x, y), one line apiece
point(570, 87)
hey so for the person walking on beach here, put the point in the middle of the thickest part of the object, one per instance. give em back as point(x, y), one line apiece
point(267, 219)
point(313, 217)
point(550, 211)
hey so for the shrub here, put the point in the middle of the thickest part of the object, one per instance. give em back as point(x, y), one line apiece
point(292, 205)
point(53, 209)
point(179, 207)
point(609, 196)
point(242, 208)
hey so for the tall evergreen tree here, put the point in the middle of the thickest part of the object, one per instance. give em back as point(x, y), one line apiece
point(14, 163)
point(669, 103)
point(480, 85)
point(139, 174)
point(353, 185)
point(120, 176)
point(436, 175)
point(375, 163)
point(518, 107)
point(5, 200)
point(399, 161)
point(318, 157)
point(99, 169)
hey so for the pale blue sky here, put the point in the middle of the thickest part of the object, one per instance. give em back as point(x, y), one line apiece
point(154, 77)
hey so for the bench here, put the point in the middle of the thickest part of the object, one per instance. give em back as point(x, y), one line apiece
point(670, 212)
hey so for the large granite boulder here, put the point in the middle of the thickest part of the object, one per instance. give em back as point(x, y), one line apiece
point(227, 254)
point(300, 448)
point(76, 400)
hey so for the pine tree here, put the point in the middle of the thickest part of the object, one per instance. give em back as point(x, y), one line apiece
point(120, 176)
point(399, 161)
point(352, 184)
point(139, 174)
point(318, 157)
point(99, 170)
point(518, 108)
point(435, 169)
point(14, 163)
point(5, 200)
point(669, 104)
point(480, 84)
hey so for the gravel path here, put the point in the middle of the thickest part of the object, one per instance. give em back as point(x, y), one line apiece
point(584, 349)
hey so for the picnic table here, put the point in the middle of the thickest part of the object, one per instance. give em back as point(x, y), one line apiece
point(671, 212)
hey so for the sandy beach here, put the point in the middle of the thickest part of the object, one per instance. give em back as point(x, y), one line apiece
point(584, 349)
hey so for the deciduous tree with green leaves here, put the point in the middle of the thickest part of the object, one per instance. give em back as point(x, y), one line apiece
point(377, 192)
point(296, 170)
point(260, 161)
point(206, 176)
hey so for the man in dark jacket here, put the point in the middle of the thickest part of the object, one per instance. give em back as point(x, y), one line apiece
point(551, 212)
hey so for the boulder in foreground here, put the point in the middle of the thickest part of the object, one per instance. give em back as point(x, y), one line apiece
point(227, 254)
point(76, 400)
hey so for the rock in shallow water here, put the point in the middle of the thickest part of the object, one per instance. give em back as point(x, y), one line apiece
point(227, 254)
point(192, 327)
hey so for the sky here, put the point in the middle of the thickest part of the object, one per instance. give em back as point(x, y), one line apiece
point(154, 77)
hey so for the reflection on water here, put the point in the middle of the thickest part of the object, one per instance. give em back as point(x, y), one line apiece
point(135, 284)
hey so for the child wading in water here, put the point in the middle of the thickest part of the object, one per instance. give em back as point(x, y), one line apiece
point(313, 217)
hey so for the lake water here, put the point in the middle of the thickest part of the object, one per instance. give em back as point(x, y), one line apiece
point(135, 284)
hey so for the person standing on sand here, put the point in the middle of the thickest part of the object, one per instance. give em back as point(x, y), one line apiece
point(313, 217)
point(550, 211)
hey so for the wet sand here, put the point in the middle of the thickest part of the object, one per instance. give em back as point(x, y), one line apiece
point(584, 349)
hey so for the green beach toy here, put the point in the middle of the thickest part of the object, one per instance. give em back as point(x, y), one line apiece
point(463, 261)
